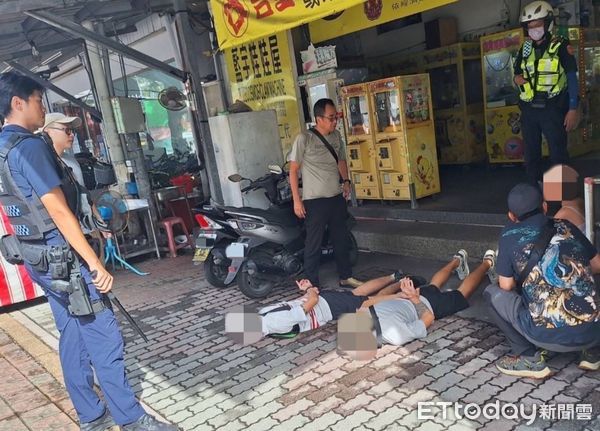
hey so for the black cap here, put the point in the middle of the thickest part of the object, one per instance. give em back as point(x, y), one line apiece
point(524, 200)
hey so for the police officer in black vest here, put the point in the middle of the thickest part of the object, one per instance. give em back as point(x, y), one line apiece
point(42, 203)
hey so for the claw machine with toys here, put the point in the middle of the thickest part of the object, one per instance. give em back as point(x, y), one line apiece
point(455, 73)
point(360, 151)
point(405, 137)
point(501, 97)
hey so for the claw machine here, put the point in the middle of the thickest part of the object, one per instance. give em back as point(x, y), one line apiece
point(501, 97)
point(360, 150)
point(457, 93)
point(405, 147)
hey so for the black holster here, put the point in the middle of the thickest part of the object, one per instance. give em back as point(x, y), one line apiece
point(66, 277)
point(62, 264)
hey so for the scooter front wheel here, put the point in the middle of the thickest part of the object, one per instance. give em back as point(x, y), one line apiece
point(254, 284)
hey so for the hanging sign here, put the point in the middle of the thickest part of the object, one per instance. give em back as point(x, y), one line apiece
point(315, 59)
point(261, 75)
point(367, 15)
point(240, 21)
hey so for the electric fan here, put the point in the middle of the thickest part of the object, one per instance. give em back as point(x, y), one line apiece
point(113, 210)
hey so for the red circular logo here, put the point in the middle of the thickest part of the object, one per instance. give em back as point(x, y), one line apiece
point(235, 14)
point(373, 9)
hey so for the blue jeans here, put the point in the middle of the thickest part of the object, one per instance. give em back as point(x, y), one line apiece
point(86, 342)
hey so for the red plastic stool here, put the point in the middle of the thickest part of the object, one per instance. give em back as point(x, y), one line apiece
point(167, 225)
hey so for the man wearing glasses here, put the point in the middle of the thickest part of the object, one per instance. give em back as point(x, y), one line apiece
point(320, 156)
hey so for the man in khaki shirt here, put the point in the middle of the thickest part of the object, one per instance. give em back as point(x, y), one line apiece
point(323, 200)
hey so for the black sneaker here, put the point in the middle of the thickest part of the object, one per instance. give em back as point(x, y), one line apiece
point(149, 423)
point(589, 360)
point(103, 423)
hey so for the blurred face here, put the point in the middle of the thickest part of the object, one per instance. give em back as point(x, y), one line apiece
point(328, 121)
point(29, 113)
point(62, 136)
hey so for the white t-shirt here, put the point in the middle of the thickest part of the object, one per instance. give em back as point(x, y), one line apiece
point(69, 158)
point(399, 321)
point(281, 322)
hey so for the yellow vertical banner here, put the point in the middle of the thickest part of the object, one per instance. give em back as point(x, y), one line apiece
point(261, 75)
point(367, 15)
point(239, 21)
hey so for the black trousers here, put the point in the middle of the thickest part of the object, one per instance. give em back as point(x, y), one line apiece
point(550, 122)
point(325, 213)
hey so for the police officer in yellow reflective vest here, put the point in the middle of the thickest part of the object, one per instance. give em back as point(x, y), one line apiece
point(546, 75)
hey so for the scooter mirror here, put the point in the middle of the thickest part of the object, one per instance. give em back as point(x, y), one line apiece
point(274, 169)
point(236, 178)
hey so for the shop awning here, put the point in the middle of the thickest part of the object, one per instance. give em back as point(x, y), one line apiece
point(240, 21)
point(368, 15)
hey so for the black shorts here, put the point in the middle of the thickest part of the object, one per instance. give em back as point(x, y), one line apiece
point(342, 302)
point(444, 303)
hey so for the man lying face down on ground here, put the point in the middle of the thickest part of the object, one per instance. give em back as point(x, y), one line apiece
point(404, 306)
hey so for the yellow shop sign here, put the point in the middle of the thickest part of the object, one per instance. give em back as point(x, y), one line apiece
point(261, 75)
point(240, 21)
point(368, 14)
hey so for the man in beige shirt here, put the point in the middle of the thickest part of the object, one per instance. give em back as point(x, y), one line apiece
point(323, 200)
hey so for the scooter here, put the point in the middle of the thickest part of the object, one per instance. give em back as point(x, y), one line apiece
point(270, 248)
point(215, 232)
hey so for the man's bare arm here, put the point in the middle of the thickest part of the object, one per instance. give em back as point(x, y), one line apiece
point(595, 264)
point(312, 298)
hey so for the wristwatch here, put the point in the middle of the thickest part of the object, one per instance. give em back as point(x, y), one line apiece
point(347, 181)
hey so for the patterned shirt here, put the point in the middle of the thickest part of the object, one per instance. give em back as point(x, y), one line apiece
point(559, 293)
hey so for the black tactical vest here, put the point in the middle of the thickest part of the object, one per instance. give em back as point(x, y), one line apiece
point(28, 217)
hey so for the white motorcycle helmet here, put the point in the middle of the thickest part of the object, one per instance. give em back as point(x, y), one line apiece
point(538, 10)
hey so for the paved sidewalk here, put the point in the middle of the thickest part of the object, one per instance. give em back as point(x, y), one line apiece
point(196, 377)
point(31, 398)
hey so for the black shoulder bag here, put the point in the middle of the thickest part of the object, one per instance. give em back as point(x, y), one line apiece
point(537, 251)
point(329, 147)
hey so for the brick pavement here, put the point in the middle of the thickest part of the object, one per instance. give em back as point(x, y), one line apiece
point(194, 376)
point(31, 398)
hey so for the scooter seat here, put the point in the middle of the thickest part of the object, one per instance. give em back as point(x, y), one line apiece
point(280, 216)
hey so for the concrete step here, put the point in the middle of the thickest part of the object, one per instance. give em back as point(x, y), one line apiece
point(432, 240)
point(394, 213)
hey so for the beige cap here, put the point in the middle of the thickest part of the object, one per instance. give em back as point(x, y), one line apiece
point(57, 117)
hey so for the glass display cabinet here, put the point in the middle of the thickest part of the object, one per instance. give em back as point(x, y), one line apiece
point(455, 73)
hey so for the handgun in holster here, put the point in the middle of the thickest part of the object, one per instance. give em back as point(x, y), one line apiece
point(66, 277)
